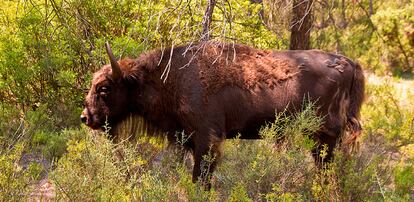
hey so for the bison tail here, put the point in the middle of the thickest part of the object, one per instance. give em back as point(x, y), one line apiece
point(357, 94)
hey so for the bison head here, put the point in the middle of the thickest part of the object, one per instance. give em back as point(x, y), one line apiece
point(107, 100)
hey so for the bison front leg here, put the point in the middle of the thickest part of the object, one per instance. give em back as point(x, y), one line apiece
point(323, 152)
point(207, 153)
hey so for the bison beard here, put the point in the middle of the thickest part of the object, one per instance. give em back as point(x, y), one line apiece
point(215, 91)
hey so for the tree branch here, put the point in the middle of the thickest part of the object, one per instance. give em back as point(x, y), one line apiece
point(208, 15)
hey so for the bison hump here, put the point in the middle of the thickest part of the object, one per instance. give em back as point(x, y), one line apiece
point(242, 66)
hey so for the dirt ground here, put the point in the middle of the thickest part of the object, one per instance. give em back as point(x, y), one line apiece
point(404, 86)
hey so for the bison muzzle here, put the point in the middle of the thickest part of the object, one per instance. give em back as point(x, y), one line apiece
point(215, 91)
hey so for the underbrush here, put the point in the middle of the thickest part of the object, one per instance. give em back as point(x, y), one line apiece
point(87, 166)
point(277, 168)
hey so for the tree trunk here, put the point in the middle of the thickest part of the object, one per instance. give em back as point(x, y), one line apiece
point(371, 9)
point(301, 24)
point(208, 15)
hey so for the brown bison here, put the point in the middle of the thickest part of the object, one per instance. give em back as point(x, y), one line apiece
point(215, 91)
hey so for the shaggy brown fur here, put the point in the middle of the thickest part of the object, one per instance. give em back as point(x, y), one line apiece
point(215, 91)
point(241, 66)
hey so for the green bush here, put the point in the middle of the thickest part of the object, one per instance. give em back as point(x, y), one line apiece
point(383, 41)
point(397, 48)
point(388, 116)
point(96, 169)
point(277, 168)
point(16, 182)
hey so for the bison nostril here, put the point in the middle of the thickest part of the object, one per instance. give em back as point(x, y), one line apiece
point(83, 118)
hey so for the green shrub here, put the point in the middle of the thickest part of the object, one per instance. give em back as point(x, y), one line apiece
point(15, 181)
point(277, 168)
point(96, 169)
point(397, 50)
point(239, 193)
point(281, 159)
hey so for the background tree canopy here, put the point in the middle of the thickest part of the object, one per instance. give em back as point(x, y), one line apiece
point(50, 48)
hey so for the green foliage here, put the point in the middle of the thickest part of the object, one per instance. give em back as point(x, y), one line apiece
point(278, 194)
point(404, 176)
point(394, 25)
point(239, 193)
point(382, 42)
point(395, 123)
point(96, 169)
point(280, 164)
point(101, 180)
point(16, 181)
point(388, 116)
point(244, 27)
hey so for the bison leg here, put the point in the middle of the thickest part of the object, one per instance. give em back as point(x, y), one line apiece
point(323, 152)
point(206, 155)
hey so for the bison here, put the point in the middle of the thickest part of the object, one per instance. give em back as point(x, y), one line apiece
point(215, 91)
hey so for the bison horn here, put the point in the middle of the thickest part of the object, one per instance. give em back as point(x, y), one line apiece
point(116, 70)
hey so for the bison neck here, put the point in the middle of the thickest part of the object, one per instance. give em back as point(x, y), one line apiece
point(156, 107)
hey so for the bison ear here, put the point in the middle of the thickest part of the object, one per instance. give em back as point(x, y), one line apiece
point(135, 78)
point(116, 70)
